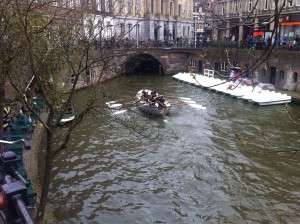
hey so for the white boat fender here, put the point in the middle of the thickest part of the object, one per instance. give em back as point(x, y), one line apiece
point(119, 112)
point(198, 106)
point(185, 98)
point(189, 101)
point(115, 106)
point(110, 102)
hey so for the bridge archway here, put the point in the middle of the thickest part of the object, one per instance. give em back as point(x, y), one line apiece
point(142, 64)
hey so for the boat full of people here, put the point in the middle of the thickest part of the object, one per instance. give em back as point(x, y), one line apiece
point(151, 103)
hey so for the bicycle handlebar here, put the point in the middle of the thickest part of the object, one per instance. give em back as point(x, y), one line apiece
point(22, 210)
point(23, 141)
point(15, 195)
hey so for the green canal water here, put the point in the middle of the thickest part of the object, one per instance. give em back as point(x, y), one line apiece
point(188, 167)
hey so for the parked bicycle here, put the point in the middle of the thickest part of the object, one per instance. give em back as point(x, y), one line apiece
point(14, 195)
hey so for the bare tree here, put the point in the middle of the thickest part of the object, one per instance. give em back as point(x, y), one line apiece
point(6, 56)
point(57, 47)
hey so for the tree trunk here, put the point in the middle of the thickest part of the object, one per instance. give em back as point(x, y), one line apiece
point(2, 99)
point(46, 180)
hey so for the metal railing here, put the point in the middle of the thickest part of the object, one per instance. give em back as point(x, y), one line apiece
point(189, 43)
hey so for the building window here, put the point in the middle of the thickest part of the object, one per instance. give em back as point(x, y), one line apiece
point(171, 8)
point(108, 30)
point(106, 5)
point(290, 3)
point(223, 66)
point(137, 31)
point(120, 5)
point(273, 4)
point(216, 66)
point(122, 29)
point(209, 24)
point(71, 4)
point(193, 63)
point(183, 31)
point(137, 6)
point(295, 76)
point(98, 5)
point(223, 8)
point(129, 6)
point(250, 6)
point(63, 3)
point(152, 6)
point(265, 4)
point(184, 11)
point(179, 10)
point(281, 75)
point(161, 7)
point(235, 6)
point(298, 3)
point(129, 29)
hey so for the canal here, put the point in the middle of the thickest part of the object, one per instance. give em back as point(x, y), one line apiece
point(188, 167)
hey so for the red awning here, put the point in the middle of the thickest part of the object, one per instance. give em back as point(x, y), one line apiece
point(289, 23)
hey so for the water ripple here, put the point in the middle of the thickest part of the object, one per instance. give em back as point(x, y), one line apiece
point(190, 169)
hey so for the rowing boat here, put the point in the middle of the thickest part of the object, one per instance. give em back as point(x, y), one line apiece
point(150, 106)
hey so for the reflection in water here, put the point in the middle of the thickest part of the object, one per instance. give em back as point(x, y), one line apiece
point(192, 169)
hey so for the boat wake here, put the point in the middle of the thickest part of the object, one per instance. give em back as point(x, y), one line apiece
point(115, 107)
point(189, 102)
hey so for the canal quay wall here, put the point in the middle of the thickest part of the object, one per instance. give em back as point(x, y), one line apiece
point(280, 67)
point(31, 162)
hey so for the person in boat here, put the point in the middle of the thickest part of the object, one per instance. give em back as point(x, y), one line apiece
point(161, 102)
point(145, 96)
point(154, 96)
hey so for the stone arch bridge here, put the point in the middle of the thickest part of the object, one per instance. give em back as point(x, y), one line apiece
point(156, 60)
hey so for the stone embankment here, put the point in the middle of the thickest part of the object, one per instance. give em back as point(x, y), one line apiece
point(31, 161)
point(295, 96)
